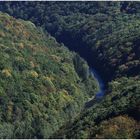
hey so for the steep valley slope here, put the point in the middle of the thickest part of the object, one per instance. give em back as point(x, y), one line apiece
point(41, 87)
point(107, 35)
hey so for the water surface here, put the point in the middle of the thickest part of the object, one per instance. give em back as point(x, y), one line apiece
point(101, 91)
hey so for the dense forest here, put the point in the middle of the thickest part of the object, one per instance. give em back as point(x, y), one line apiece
point(50, 104)
point(41, 86)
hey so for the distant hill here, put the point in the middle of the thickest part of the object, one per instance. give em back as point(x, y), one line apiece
point(106, 34)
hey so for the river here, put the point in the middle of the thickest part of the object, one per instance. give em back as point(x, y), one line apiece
point(87, 55)
point(101, 91)
point(100, 82)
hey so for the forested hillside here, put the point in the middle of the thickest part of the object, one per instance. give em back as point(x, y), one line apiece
point(41, 87)
point(107, 36)
point(107, 31)
point(115, 116)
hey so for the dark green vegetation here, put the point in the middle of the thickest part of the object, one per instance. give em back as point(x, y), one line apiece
point(123, 98)
point(41, 86)
point(107, 31)
point(107, 35)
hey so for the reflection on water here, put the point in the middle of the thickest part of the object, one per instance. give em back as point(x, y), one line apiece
point(101, 92)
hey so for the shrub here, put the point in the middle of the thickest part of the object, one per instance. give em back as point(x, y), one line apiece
point(49, 84)
point(21, 45)
point(118, 127)
point(2, 34)
point(33, 74)
point(6, 72)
